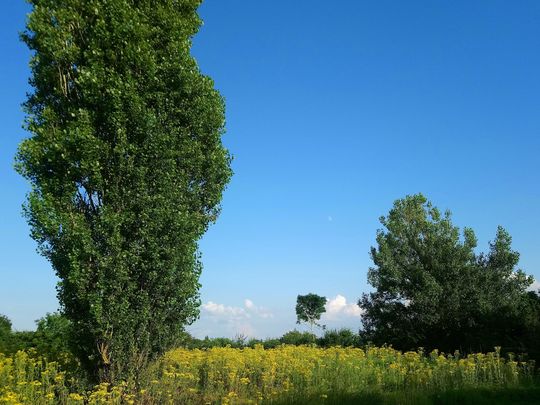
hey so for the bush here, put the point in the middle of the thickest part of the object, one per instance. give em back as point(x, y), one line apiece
point(342, 337)
point(11, 341)
point(297, 338)
point(208, 343)
point(5, 334)
point(50, 340)
point(271, 343)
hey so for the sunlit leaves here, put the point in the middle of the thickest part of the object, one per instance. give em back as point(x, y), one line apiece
point(127, 170)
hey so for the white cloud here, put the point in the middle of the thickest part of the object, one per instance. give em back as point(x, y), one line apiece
point(220, 310)
point(235, 320)
point(338, 307)
point(248, 303)
point(224, 311)
point(535, 286)
point(258, 311)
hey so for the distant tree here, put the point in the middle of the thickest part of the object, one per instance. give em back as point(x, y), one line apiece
point(295, 337)
point(271, 343)
point(208, 343)
point(342, 337)
point(5, 334)
point(309, 308)
point(5, 325)
point(432, 290)
point(53, 337)
point(127, 170)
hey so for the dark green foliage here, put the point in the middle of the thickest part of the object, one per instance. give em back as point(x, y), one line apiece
point(433, 290)
point(5, 325)
point(271, 343)
point(12, 341)
point(23, 340)
point(467, 396)
point(309, 308)
point(297, 338)
point(519, 328)
point(53, 337)
point(50, 340)
point(342, 337)
point(127, 171)
point(5, 334)
point(529, 325)
point(208, 343)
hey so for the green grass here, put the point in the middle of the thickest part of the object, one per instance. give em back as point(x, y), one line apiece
point(480, 396)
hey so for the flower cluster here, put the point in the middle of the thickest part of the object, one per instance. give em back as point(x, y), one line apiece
point(253, 375)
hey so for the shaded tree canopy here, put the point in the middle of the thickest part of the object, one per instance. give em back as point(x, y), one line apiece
point(432, 289)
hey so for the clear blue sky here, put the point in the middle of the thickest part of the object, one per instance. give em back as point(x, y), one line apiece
point(334, 110)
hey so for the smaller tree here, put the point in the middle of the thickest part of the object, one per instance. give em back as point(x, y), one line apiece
point(5, 334)
point(297, 338)
point(53, 337)
point(309, 309)
point(433, 290)
point(343, 337)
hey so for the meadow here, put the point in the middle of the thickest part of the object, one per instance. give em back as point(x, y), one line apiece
point(282, 375)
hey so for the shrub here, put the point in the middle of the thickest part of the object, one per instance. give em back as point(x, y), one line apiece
point(342, 337)
point(295, 337)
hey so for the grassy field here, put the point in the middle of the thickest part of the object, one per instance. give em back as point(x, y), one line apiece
point(286, 375)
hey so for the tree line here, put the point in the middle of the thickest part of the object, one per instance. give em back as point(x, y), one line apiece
point(433, 290)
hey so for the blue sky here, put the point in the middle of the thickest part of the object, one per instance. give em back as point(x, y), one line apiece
point(334, 110)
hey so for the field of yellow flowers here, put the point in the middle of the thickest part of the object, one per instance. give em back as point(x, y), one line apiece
point(256, 375)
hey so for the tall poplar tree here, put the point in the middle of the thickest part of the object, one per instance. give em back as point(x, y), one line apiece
point(127, 170)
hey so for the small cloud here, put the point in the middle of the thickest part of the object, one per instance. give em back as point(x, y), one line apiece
point(249, 310)
point(258, 311)
point(330, 219)
point(248, 303)
point(338, 307)
point(221, 310)
point(236, 320)
point(535, 286)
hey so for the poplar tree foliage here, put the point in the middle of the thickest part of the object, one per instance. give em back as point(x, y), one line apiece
point(127, 170)
point(433, 291)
